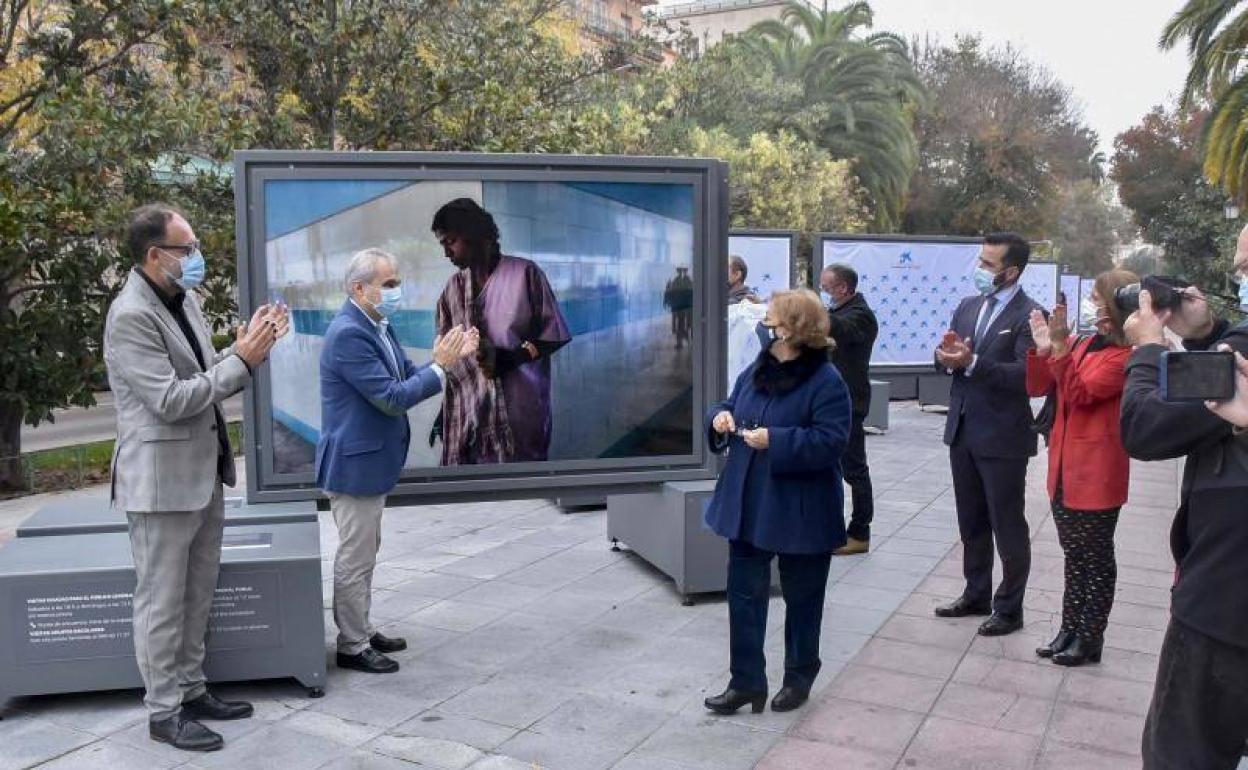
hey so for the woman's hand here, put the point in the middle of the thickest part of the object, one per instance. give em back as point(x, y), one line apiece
point(757, 438)
point(1040, 332)
point(723, 424)
point(1059, 331)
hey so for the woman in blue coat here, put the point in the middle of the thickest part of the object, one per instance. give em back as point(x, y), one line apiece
point(784, 428)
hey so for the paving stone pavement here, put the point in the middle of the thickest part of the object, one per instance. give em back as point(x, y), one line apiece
point(533, 645)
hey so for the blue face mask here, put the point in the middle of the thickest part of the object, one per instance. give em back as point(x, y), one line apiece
point(1243, 293)
point(193, 270)
point(828, 300)
point(390, 300)
point(985, 281)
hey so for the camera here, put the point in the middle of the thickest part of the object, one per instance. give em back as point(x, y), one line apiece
point(1166, 291)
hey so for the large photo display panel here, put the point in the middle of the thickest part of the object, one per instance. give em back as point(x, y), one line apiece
point(768, 258)
point(604, 271)
point(915, 285)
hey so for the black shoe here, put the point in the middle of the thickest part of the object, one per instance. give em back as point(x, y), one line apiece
point(182, 733)
point(369, 661)
point(1059, 643)
point(1079, 652)
point(730, 700)
point(1000, 625)
point(789, 698)
point(209, 706)
point(386, 644)
point(961, 607)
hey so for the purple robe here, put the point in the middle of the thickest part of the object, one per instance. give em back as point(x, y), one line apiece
point(507, 418)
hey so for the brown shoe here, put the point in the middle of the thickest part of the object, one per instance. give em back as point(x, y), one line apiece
point(853, 546)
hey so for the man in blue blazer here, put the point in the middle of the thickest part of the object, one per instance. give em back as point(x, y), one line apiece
point(367, 386)
point(989, 433)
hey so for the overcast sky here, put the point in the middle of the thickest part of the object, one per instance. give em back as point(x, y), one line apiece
point(1105, 50)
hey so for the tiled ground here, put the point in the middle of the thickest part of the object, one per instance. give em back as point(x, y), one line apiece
point(533, 645)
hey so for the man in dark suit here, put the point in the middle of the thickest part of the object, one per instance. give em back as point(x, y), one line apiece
point(854, 330)
point(989, 433)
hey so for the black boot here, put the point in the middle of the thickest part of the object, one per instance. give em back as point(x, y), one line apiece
point(1059, 643)
point(789, 698)
point(209, 706)
point(1079, 652)
point(730, 700)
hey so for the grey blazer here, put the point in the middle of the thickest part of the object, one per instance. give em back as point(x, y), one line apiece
point(165, 458)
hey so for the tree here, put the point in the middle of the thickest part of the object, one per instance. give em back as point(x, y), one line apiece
point(1087, 226)
point(1217, 44)
point(782, 182)
point(1000, 142)
point(82, 120)
point(858, 93)
point(486, 75)
point(1157, 167)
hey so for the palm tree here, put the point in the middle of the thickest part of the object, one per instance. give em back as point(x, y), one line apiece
point(861, 89)
point(1217, 45)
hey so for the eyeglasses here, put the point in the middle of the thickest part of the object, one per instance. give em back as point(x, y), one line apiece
point(187, 247)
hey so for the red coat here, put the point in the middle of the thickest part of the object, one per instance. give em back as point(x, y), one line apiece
point(1085, 446)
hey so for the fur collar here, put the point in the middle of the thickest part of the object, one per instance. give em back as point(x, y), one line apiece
point(776, 378)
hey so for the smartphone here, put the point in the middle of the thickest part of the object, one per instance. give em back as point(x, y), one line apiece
point(1204, 375)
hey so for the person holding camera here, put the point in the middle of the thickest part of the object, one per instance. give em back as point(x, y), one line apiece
point(1199, 711)
point(784, 427)
point(1088, 467)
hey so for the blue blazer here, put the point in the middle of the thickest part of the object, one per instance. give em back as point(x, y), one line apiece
point(990, 411)
point(788, 496)
point(364, 403)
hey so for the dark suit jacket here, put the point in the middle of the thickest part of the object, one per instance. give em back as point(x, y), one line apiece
point(989, 410)
point(854, 329)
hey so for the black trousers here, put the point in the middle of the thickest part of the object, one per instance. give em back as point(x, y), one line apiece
point(803, 582)
point(1087, 539)
point(990, 493)
point(858, 476)
point(1199, 714)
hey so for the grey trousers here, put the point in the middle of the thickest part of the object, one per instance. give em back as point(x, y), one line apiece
point(359, 537)
point(177, 555)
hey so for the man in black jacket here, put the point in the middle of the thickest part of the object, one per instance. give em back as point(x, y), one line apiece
point(988, 431)
point(854, 329)
point(1199, 712)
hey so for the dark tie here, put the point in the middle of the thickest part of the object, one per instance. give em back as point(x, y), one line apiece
point(989, 304)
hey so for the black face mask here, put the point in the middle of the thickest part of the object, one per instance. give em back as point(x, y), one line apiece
point(766, 335)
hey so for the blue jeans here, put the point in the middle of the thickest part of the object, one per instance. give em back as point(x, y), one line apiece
point(803, 582)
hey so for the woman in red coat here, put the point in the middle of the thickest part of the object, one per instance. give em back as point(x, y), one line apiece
point(1088, 466)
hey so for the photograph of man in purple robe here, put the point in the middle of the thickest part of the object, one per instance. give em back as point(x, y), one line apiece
point(497, 405)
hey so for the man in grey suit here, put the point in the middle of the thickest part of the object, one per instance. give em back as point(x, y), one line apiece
point(171, 457)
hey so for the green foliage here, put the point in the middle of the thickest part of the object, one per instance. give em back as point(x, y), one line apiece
point(1086, 227)
point(1216, 32)
point(85, 100)
point(1000, 143)
point(857, 94)
point(782, 182)
point(1157, 167)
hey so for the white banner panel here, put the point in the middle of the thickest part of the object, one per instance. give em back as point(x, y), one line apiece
point(913, 287)
point(768, 259)
point(1086, 285)
point(1040, 283)
point(1070, 287)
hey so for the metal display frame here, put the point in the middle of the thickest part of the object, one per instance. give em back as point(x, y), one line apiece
point(791, 235)
point(591, 477)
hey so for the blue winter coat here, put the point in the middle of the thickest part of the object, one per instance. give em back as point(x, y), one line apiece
point(786, 498)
